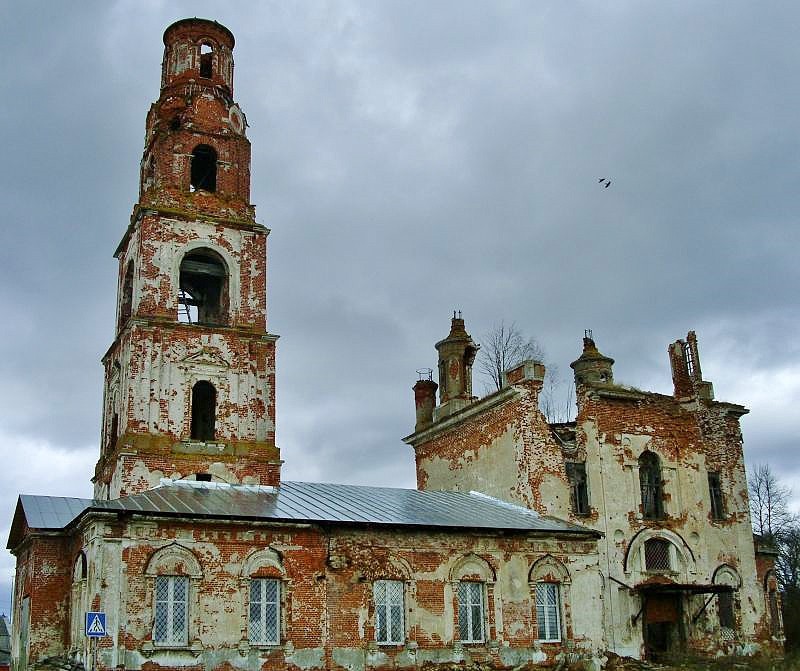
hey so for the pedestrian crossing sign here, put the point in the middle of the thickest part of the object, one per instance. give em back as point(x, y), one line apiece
point(95, 624)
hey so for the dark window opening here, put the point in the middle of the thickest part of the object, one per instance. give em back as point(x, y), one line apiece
point(651, 486)
point(126, 305)
point(726, 615)
point(175, 124)
point(656, 555)
point(206, 60)
point(204, 410)
point(203, 293)
point(579, 491)
point(715, 492)
point(774, 621)
point(81, 567)
point(113, 431)
point(202, 477)
point(204, 168)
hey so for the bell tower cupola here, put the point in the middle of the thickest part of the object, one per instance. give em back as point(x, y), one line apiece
point(196, 151)
point(190, 377)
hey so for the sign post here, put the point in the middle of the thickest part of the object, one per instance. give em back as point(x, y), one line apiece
point(95, 628)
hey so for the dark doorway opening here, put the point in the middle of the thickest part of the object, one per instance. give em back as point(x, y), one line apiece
point(663, 634)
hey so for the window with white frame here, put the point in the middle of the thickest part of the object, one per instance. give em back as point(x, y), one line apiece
point(470, 612)
point(389, 607)
point(171, 626)
point(548, 612)
point(264, 625)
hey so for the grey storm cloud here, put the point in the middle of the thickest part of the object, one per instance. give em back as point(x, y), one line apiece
point(412, 158)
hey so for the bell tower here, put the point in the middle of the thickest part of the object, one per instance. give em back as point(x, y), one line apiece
point(190, 377)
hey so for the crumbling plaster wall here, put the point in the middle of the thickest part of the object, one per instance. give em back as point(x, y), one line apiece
point(690, 440)
point(327, 575)
point(503, 449)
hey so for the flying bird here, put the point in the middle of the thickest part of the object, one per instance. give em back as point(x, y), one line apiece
point(607, 182)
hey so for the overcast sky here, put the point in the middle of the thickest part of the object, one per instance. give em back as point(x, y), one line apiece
point(412, 158)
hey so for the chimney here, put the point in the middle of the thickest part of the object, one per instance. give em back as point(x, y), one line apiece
point(425, 399)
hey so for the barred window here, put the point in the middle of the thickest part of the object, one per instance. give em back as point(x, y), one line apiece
point(548, 612)
point(715, 493)
point(388, 598)
point(656, 555)
point(265, 611)
point(470, 612)
point(172, 616)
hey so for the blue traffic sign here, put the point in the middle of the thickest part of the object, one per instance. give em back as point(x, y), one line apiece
point(95, 625)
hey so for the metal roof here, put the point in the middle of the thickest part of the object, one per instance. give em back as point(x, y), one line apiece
point(306, 502)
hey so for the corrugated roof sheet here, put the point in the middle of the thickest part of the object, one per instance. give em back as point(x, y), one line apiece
point(307, 502)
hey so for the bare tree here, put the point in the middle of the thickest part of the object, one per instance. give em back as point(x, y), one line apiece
point(502, 348)
point(555, 402)
point(769, 504)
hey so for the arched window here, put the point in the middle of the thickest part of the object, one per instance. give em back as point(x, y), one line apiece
point(203, 296)
point(172, 569)
point(126, 298)
point(204, 168)
point(657, 555)
point(650, 483)
point(204, 410)
point(263, 570)
point(549, 581)
point(206, 60)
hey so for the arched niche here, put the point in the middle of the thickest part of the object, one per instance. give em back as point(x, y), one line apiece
point(173, 559)
point(472, 567)
point(549, 569)
point(266, 563)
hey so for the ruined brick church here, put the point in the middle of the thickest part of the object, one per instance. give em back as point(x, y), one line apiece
point(525, 542)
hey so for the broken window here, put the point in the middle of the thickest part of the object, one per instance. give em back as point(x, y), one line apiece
point(388, 598)
point(579, 491)
point(202, 477)
point(204, 168)
point(548, 612)
point(204, 410)
point(656, 555)
point(715, 492)
point(126, 302)
point(265, 612)
point(172, 604)
point(206, 60)
point(651, 487)
point(203, 294)
point(470, 612)
point(727, 618)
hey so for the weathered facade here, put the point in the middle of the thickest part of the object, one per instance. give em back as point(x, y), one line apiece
point(525, 542)
point(661, 477)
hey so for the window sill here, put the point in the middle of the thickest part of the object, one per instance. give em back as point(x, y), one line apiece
point(150, 648)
